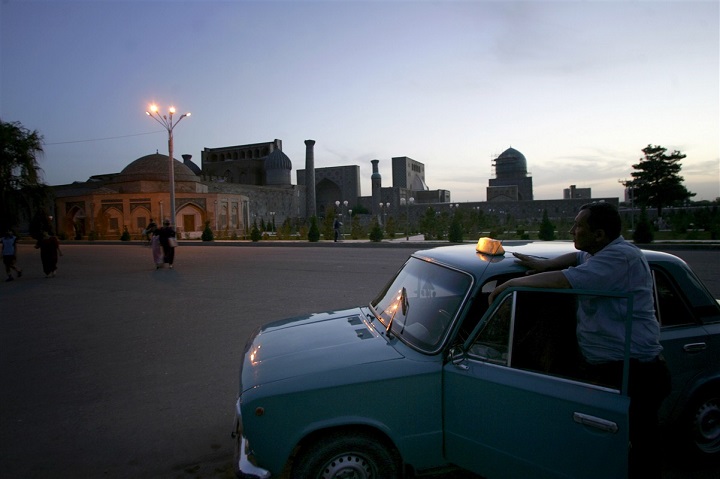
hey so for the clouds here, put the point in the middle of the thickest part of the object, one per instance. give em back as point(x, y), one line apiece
point(578, 87)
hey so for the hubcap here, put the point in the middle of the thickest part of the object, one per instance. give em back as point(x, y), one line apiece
point(347, 466)
point(707, 423)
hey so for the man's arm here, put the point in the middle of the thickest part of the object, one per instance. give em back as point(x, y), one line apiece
point(550, 279)
point(540, 265)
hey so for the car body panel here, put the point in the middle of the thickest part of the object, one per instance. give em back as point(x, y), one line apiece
point(502, 441)
point(440, 406)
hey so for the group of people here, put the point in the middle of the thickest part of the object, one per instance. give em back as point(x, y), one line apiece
point(48, 245)
point(163, 242)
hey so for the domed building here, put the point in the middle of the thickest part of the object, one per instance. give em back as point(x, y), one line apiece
point(105, 206)
point(278, 168)
point(512, 181)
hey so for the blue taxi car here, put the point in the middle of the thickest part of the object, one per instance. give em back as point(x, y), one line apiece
point(428, 377)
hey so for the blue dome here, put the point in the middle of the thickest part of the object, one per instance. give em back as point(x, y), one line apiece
point(277, 160)
point(511, 164)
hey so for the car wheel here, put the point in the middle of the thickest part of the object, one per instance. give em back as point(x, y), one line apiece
point(345, 456)
point(705, 423)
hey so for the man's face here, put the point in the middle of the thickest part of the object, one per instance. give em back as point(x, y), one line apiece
point(585, 239)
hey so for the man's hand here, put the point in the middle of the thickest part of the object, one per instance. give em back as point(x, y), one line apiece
point(533, 264)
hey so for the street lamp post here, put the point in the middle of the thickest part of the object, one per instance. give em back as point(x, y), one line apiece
point(167, 122)
point(383, 215)
point(342, 214)
point(407, 203)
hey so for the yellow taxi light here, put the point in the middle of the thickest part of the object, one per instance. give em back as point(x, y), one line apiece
point(490, 246)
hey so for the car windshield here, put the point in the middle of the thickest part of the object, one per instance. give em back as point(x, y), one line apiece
point(421, 302)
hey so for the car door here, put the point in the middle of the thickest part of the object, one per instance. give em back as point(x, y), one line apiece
point(515, 406)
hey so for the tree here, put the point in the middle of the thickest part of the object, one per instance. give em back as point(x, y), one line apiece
point(547, 229)
point(314, 232)
point(207, 234)
point(376, 232)
point(255, 234)
point(328, 231)
point(21, 190)
point(643, 233)
point(455, 234)
point(657, 181)
point(356, 229)
point(390, 227)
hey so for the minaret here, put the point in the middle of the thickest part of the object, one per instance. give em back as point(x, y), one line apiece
point(376, 182)
point(310, 207)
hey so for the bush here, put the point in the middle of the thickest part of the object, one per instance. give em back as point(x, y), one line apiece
point(313, 233)
point(255, 234)
point(207, 234)
point(356, 229)
point(547, 229)
point(643, 231)
point(455, 234)
point(376, 232)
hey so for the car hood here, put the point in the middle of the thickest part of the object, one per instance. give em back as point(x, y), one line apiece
point(313, 344)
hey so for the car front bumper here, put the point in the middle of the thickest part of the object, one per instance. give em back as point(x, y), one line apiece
point(244, 468)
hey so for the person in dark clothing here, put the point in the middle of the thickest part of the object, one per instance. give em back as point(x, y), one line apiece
point(336, 226)
point(49, 247)
point(165, 235)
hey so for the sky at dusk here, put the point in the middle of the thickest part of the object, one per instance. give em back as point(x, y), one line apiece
point(579, 87)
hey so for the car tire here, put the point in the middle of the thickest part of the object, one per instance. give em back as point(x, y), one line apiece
point(360, 456)
point(703, 424)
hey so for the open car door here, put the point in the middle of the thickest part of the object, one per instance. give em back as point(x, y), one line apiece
point(515, 402)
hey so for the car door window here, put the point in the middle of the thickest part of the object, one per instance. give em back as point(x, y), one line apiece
point(670, 305)
point(533, 331)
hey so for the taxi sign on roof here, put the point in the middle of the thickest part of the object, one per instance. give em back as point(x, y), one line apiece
point(490, 247)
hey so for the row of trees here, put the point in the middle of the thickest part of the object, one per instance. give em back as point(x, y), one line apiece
point(656, 183)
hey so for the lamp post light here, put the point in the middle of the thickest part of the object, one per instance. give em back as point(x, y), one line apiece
point(167, 122)
point(342, 213)
point(383, 208)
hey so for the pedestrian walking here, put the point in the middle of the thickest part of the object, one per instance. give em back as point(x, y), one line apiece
point(336, 226)
point(150, 231)
point(168, 242)
point(9, 254)
point(49, 247)
point(157, 251)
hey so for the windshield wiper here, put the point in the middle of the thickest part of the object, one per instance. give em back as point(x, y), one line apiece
point(403, 306)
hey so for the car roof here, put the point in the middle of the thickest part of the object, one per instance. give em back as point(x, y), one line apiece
point(466, 258)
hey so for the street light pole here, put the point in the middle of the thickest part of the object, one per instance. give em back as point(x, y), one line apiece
point(167, 122)
point(407, 203)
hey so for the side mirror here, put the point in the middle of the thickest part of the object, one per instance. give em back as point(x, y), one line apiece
point(457, 357)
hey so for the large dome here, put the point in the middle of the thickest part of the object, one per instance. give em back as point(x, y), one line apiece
point(277, 160)
point(155, 168)
point(511, 164)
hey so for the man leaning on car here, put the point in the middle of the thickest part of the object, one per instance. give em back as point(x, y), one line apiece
point(606, 262)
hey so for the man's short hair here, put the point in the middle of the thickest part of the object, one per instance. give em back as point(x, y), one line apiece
point(604, 216)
